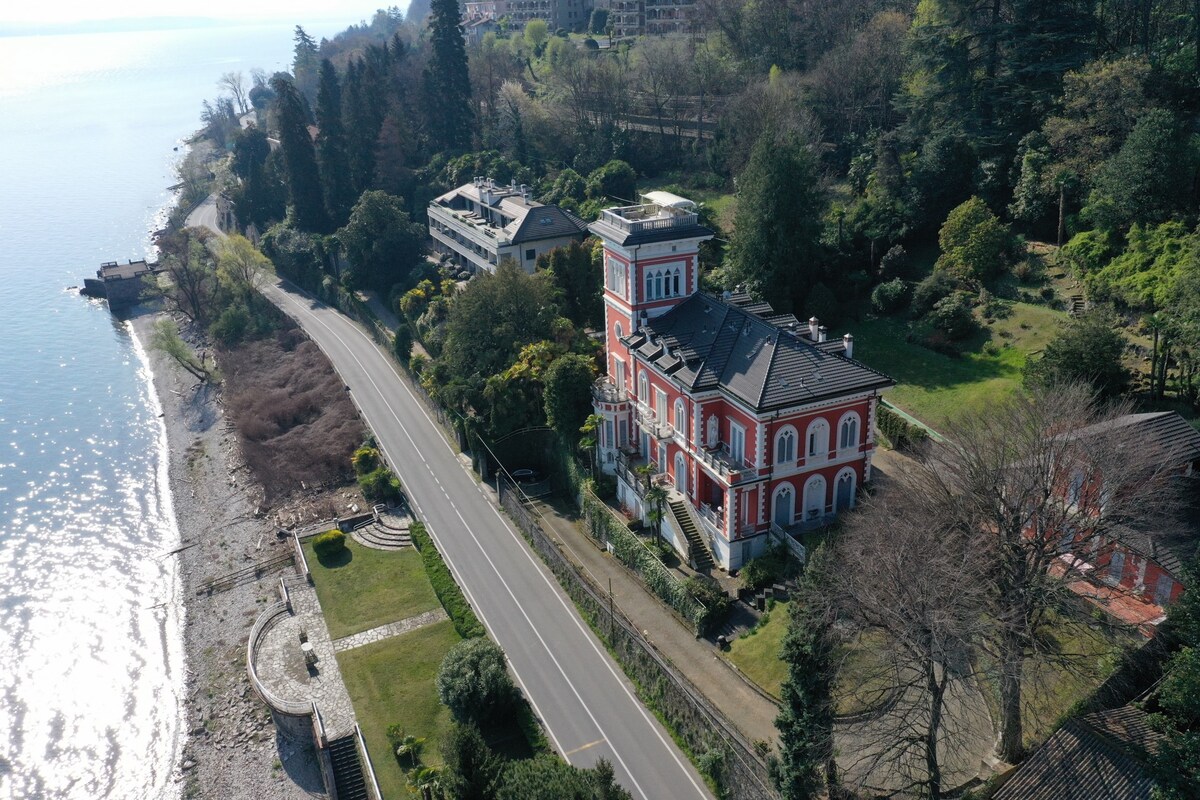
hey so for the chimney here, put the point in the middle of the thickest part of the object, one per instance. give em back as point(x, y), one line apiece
point(813, 325)
point(848, 342)
point(524, 192)
point(822, 333)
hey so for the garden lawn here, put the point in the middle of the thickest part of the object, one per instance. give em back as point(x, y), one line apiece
point(368, 588)
point(934, 387)
point(1050, 689)
point(392, 683)
point(757, 654)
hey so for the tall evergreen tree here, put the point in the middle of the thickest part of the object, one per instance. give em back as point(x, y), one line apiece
point(777, 229)
point(299, 158)
point(805, 722)
point(447, 81)
point(304, 61)
point(331, 147)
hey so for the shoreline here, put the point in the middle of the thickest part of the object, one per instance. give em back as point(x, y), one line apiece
point(228, 746)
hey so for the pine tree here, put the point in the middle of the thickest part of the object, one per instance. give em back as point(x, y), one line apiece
point(776, 235)
point(447, 82)
point(299, 158)
point(805, 721)
point(331, 147)
point(304, 62)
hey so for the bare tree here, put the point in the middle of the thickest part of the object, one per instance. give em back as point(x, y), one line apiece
point(1041, 483)
point(909, 589)
point(191, 275)
point(235, 82)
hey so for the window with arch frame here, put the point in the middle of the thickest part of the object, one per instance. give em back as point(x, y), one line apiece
point(785, 447)
point(848, 433)
point(818, 438)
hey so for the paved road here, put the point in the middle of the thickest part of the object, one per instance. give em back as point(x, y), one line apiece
point(588, 706)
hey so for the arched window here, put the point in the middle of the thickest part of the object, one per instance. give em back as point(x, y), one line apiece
point(785, 446)
point(843, 490)
point(783, 505)
point(658, 287)
point(680, 416)
point(649, 287)
point(676, 282)
point(814, 498)
point(848, 432)
point(643, 388)
point(620, 331)
point(817, 439)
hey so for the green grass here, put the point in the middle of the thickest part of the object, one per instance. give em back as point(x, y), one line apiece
point(368, 588)
point(933, 387)
point(757, 654)
point(392, 683)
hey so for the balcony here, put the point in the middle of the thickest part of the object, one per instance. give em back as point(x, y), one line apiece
point(641, 219)
point(713, 520)
point(605, 391)
point(722, 463)
point(647, 419)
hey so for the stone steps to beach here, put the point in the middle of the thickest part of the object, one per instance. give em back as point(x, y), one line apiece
point(381, 538)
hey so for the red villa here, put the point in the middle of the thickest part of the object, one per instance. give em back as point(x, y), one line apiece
point(757, 425)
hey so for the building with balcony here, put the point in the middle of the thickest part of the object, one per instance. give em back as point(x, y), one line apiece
point(482, 223)
point(653, 17)
point(569, 14)
point(759, 425)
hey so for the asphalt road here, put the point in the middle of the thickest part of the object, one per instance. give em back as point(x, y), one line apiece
point(588, 707)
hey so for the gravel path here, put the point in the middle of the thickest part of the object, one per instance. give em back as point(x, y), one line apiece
point(232, 749)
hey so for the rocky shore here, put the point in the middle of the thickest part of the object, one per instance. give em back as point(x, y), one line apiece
point(232, 749)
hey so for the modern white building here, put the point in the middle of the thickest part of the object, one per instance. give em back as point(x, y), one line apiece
point(482, 223)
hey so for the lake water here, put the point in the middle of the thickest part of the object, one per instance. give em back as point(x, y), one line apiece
point(91, 661)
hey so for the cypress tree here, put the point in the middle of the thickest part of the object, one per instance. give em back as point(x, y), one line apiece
point(805, 720)
point(299, 159)
point(447, 82)
point(331, 148)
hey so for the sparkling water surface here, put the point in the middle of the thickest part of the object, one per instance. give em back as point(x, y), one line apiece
point(91, 657)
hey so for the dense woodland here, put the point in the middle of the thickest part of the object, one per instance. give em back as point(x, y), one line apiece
point(885, 157)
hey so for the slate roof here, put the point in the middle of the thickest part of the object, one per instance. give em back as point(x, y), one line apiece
point(1099, 756)
point(1168, 431)
point(710, 344)
point(529, 220)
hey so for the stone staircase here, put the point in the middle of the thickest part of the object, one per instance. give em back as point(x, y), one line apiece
point(698, 551)
point(382, 538)
point(348, 778)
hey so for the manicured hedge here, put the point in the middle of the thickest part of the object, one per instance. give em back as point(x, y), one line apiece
point(329, 544)
point(899, 431)
point(444, 586)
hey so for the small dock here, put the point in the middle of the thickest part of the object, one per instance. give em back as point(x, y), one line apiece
point(120, 284)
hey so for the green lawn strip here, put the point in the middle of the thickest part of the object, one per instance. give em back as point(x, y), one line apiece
point(370, 587)
point(392, 683)
point(932, 386)
point(756, 653)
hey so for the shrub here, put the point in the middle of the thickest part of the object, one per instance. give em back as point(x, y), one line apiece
point(712, 596)
point(899, 431)
point(929, 291)
point(1087, 252)
point(381, 486)
point(473, 681)
point(329, 544)
point(402, 343)
point(895, 264)
point(366, 459)
point(767, 569)
point(952, 316)
point(888, 298)
point(230, 328)
point(447, 591)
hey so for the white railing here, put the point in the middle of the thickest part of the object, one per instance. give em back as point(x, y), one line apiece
point(362, 747)
point(606, 391)
point(783, 537)
point(627, 219)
